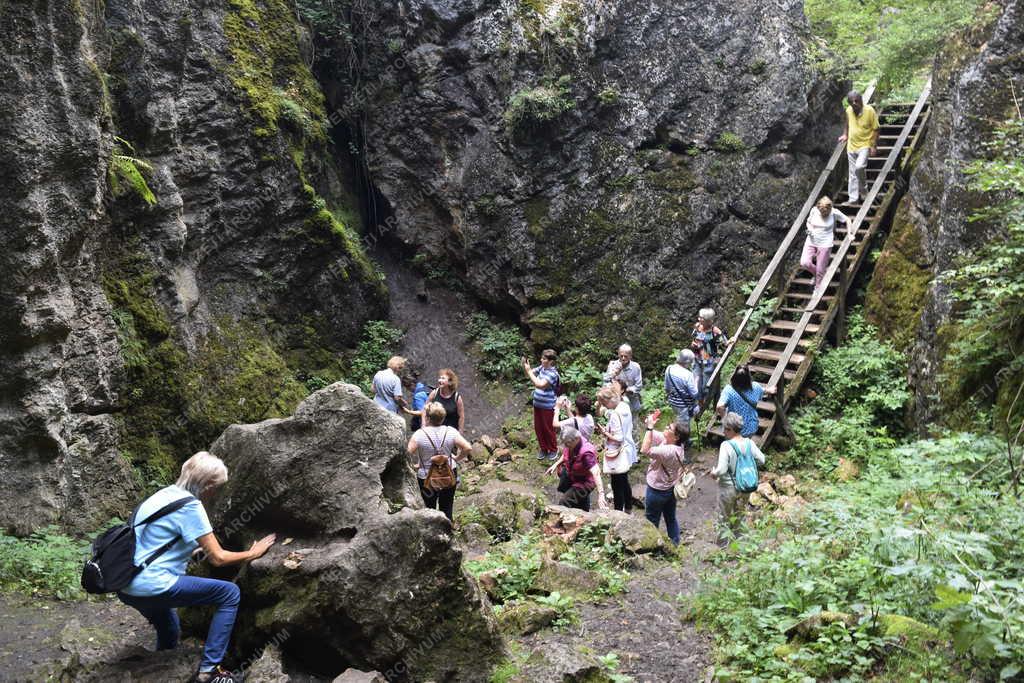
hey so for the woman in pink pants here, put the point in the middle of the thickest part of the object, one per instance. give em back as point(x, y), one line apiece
point(821, 223)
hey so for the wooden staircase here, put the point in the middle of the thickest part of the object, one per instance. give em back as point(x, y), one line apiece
point(782, 352)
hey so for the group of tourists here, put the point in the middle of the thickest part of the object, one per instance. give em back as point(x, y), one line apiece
point(583, 439)
point(591, 443)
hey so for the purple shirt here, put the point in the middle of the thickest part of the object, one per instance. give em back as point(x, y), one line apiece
point(579, 464)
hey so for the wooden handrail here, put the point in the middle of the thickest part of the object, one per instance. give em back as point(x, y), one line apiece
point(839, 261)
point(780, 254)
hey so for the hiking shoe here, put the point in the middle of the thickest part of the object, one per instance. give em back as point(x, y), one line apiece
point(218, 675)
point(542, 456)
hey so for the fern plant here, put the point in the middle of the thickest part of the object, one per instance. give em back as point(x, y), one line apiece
point(127, 173)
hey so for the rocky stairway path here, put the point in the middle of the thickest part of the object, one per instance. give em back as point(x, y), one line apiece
point(782, 352)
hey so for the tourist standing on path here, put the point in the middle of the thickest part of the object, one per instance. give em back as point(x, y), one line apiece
point(667, 452)
point(619, 449)
point(387, 386)
point(447, 394)
point(580, 473)
point(580, 415)
point(681, 388)
point(861, 136)
point(741, 397)
point(821, 225)
point(545, 382)
point(708, 343)
point(436, 438)
point(162, 586)
point(730, 501)
point(625, 368)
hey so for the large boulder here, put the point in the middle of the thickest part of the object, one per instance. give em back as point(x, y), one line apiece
point(370, 580)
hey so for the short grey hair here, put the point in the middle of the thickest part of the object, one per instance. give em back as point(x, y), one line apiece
point(733, 422)
point(707, 313)
point(685, 358)
point(201, 472)
point(853, 93)
point(568, 434)
point(625, 348)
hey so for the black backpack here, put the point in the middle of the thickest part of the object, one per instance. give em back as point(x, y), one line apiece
point(112, 566)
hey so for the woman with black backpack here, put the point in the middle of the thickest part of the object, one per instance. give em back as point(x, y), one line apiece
point(165, 541)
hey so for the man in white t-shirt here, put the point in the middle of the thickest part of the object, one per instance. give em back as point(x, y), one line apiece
point(387, 386)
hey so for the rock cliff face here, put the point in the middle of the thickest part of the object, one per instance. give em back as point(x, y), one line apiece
point(371, 580)
point(162, 283)
point(931, 232)
point(602, 169)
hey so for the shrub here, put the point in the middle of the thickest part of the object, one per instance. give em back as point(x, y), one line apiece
point(45, 563)
point(499, 347)
point(860, 407)
point(887, 40)
point(922, 550)
point(609, 96)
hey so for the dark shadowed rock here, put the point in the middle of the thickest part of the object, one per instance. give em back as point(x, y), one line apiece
point(371, 580)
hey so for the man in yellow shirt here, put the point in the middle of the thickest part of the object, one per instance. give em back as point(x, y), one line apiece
point(861, 136)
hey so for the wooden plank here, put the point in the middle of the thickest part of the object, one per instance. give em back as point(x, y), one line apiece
point(791, 325)
point(770, 354)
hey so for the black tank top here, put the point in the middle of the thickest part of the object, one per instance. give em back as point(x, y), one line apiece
point(451, 408)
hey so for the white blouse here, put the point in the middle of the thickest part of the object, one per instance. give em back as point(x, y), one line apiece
point(821, 231)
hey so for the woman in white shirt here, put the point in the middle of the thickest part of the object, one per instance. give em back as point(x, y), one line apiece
point(619, 449)
point(821, 223)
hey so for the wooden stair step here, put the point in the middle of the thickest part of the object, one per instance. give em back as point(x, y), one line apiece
point(810, 282)
point(785, 340)
point(770, 354)
point(791, 325)
point(768, 371)
point(790, 309)
point(801, 295)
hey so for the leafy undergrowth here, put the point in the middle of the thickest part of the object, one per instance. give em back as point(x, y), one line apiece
point(521, 558)
point(912, 572)
point(859, 410)
point(46, 563)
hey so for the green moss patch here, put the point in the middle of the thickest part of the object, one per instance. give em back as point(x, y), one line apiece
point(267, 67)
point(898, 290)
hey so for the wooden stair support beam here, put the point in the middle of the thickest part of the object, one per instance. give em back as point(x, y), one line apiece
point(780, 412)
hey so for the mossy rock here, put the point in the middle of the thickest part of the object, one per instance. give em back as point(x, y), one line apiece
point(566, 579)
point(524, 618)
point(898, 290)
point(911, 631)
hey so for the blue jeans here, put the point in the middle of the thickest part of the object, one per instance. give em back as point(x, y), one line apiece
point(704, 370)
point(658, 503)
point(188, 591)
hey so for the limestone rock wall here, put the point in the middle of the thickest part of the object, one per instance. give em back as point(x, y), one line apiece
point(600, 169)
point(134, 328)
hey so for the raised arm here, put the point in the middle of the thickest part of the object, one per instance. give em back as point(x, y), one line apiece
point(537, 381)
point(219, 557)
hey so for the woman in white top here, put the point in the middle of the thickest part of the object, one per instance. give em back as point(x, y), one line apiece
point(436, 438)
point(821, 224)
point(620, 448)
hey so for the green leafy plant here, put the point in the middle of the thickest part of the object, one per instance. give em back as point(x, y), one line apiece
point(609, 96)
point(45, 563)
point(579, 368)
point(911, 572)
point(127, 173)
point(379, 342)
point(542, 104)
point(498, 347)
point(563, 604)
point(860, 408)
point(729, 142)
point(890, 41)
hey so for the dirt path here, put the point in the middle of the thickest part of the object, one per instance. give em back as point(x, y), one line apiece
point(435, 339)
